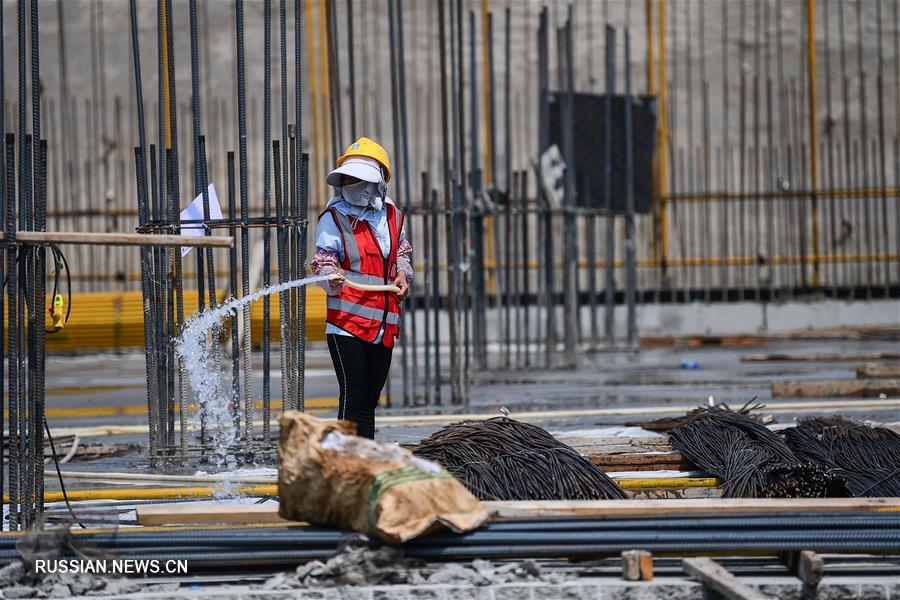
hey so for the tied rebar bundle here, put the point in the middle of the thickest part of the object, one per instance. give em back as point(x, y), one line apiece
point(505, 459)
point(864, 460)
point(667, 424)
point(753, 461)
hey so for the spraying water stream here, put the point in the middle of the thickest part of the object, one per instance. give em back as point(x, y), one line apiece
point(201, 359)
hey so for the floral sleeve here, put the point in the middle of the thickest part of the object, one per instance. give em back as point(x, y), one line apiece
point(404, 262)
point(325, 262)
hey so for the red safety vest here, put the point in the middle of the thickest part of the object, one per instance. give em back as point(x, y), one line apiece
point(359, 312)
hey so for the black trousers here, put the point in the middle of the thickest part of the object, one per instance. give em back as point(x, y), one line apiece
point(361, 369)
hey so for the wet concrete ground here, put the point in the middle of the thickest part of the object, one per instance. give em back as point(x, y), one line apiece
point(622, 386)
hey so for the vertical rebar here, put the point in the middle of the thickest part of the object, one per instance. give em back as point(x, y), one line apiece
point(570, 271)
point(630, 266)
point(233, 287)
point(267, 213)
point(246, 355)
point(449, 216)
point(427, 274)
point(282, 274)
point(406, 169)
point(301, 204)
point(13, 333)
point(476, 218)
point(546, 219)
point(351, 69)
point(40, 224)
point(610, 284)
point(436, 292)
point(4, 261)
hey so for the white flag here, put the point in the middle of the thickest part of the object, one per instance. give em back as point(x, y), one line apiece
point(194, 212)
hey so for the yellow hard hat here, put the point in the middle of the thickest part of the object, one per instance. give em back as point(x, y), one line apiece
point(371, 149)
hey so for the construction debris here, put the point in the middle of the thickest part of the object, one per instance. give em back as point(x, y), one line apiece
point(505, 459)
point(356, 564)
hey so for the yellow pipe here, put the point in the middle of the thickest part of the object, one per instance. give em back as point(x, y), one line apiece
point(666, 482)
point(154, 493)
point(813, 134)
point(168, 493)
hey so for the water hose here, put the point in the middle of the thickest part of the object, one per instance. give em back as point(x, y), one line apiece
point(366, 287)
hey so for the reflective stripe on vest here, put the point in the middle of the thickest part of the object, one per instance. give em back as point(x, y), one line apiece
point(351, 249)
point(366, 312)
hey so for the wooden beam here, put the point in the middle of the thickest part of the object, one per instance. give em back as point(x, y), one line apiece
point(208, 513)
point(848, 388)
point(686, 506)
point(637, 565)
point(806, 565)
point(714, 577)
point(612, 463)
point(876, 371)
point(820, 357)
point(268, 512)
point(119, 239)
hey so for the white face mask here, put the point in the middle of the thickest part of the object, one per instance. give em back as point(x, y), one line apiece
point(361, 194)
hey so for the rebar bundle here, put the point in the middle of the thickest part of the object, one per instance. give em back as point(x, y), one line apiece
point(667, 424)
point(753, 461)
point(505, 459)
point(864, 460)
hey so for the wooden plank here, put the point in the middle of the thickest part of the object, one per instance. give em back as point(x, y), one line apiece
point(875, 370)
point(120, 239)
point(613, 463)
point(714, 577)
point(846, 388)
point(267, 512)
point(637, 565)
point(208, 513)
point(806, 565)
point(820, 357)
point(884, 332)
point(686, 506)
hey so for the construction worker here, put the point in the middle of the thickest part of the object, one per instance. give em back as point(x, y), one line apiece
point(360, 239)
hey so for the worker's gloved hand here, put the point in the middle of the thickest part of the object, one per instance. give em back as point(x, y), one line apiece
point(400, 282)
point(338, 282)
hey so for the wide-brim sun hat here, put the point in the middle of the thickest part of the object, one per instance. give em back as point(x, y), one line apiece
point(360, 167)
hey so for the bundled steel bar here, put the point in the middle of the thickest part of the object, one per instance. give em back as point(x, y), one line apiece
point(504, 459)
